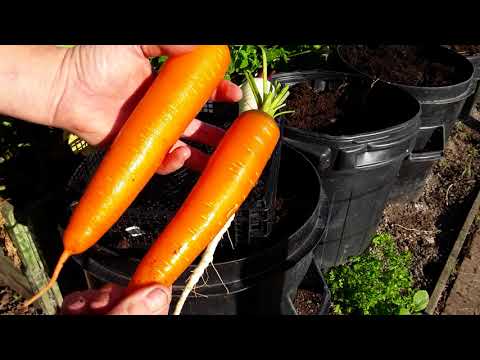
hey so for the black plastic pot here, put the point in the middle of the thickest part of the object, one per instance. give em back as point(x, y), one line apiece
point(440, 109)
point(263, 282)
point(475, 97)
point(358, 171)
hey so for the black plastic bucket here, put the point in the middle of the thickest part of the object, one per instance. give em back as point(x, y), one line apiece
point(359, 170)
point(264, 282)
point(475, 97)
point(440, 109)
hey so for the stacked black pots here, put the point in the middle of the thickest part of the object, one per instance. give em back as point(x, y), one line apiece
point(441, 106)
point(358, 168)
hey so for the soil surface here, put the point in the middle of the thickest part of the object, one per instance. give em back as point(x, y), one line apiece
point(429, 226)
point(308, 302)
point(344, 107)
point(400, 64)
point(313, 110)
point(11, 304)
point(467, 50)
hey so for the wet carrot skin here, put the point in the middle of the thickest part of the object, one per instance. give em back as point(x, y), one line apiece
point(231, 173)
point(177, 95)
point(180, 90)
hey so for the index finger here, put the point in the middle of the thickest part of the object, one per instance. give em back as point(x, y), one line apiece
point(227, 92)
point(203, 133)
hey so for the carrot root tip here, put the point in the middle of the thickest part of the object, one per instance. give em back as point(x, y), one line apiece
point(63, 258)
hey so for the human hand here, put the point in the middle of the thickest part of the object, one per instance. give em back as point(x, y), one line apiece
point(111, 300)
point(103, 84)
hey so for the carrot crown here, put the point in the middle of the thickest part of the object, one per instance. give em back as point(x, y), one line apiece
point(274, 98)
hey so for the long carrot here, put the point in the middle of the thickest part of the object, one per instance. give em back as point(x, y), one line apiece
point(231, 173)
point(177, 95)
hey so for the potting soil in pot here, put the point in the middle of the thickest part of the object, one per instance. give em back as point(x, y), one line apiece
point(467, 50)
point(341, 110)
point(404, 65)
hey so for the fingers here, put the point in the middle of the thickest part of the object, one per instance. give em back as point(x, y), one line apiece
point(92, 301)
point(183, 155)
point(152, 300)
point(78, 302)
point(175, 159)
point(108, 297)
point(168, 50)
point(197, 160)
point(203, 133)
point(227, 92)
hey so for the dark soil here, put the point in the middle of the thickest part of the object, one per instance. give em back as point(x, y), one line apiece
point(308, 302)
point(340, 110)
point(314, 110)
point(429, 226)
point(11, 304)
point(400, 64)
point(345, 106)
point(467, 50)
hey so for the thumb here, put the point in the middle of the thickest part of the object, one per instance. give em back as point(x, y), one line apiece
point(168, 50)
point(152, 300)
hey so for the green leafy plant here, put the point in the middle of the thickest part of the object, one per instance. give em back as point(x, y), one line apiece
point(376, 283)
point(247, 58)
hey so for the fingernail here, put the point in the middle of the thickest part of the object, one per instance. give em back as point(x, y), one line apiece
point(77, 304)
point(157, 298)
point(237, 94)
point(100, 302)
point(185, 153)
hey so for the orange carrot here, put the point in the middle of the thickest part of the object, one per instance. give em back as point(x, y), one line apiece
point(231, 173)
point(177, 95)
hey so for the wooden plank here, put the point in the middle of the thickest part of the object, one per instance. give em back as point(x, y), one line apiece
point(452, 258)
point(34, 267)
point(464, 298)
point(10, 276)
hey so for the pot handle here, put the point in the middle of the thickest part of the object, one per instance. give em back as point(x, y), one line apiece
point(431, 155)
point(321, 153)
